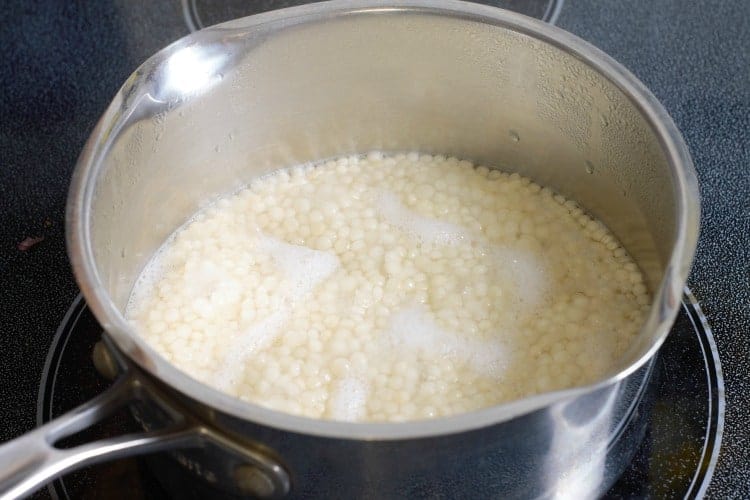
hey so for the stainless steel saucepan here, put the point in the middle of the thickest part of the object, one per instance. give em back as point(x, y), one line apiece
point(225, 105)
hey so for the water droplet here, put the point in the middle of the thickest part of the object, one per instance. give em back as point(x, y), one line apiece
point(231, 136)
point(221, 76)
point(514, 135)
point(589, 167)
point(605, 121)
point(217, 149)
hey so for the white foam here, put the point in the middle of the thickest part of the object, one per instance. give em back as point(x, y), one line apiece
point(349, 399)
point(255, 338)
point(304, 268)
point(424, 229)
point(525, 272)
point(141, 296)
point(414, 328)
point(144, 288)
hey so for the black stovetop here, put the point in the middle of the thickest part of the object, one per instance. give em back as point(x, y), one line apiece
point(64, 61)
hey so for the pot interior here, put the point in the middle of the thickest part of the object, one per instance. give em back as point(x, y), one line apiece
point(226, 105)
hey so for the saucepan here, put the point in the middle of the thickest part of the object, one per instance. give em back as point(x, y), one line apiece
point(236, 101)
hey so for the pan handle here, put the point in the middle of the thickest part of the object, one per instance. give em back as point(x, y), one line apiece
point(27, 462)
point(33, 459)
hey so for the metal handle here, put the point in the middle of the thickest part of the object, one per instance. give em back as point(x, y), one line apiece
point(33, 459)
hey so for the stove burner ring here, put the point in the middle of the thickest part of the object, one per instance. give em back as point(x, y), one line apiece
point(688, 373)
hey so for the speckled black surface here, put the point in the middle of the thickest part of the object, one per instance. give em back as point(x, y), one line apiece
point(63, 62)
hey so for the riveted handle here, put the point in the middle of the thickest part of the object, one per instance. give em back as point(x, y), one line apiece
point(33, 459)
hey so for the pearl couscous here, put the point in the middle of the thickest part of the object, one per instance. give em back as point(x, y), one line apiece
point(388, 288)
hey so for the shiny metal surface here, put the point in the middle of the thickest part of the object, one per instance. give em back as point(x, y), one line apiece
point(239, 100)
point(226, 105)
